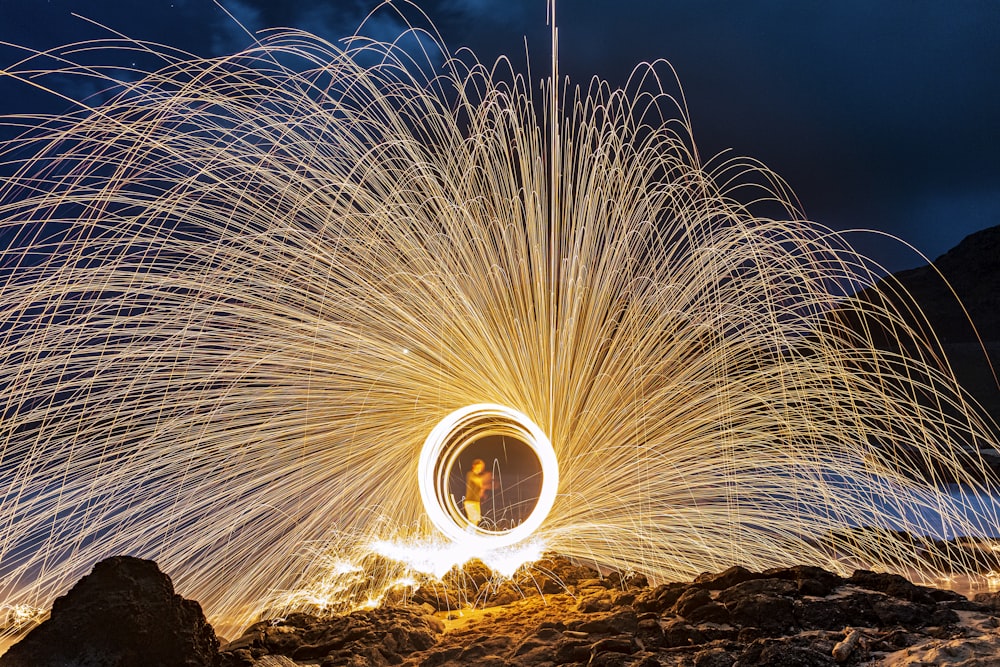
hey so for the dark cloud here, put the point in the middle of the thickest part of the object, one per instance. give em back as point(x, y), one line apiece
point(879, 114)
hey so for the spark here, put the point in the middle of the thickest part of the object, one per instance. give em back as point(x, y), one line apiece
point(20, 617)
point(208, 279)
point(437, 557)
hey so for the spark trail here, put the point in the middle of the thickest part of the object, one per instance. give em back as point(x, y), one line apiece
point(237, 297)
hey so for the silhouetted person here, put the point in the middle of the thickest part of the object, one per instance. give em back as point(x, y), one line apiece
point(477, 483)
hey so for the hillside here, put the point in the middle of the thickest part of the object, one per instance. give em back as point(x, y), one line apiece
point(971, 272)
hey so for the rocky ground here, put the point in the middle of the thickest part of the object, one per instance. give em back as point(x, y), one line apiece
point(126, 614)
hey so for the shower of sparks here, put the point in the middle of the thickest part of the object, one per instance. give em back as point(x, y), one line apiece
point(236, 297)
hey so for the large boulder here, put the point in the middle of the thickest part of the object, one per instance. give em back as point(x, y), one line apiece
point(123, 614)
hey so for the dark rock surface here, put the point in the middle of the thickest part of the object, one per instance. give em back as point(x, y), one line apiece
point(799, 615)
point(373, 637)
point(972, 269)
point(123, 614)
point(783, 616)
point(959, 295)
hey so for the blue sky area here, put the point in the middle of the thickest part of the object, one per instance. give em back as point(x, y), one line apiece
point(880, 114)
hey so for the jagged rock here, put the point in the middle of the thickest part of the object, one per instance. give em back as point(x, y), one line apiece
point(382, 635)
point(595, 602)
point(623, 621)
point(627, 580)
point(503, 594)
point(837, 613)
point(571, 650)
point(561, 571)
point(650, 633)
point(725, 579)
point(472, 576)
point(533, 652)
point(713, 657)
point(780, 655)
point(753, 587)
point(661, 598)
point(811, 580)
point(713, 612)
point(989, 600)
point(890, 584)
point(784, 616)
point(624, 598)
point(438, 596)
point(123, 614)
point(485, 646)
point(690, 600)
point(679, 632)
point(953, 599)
point(770, 613)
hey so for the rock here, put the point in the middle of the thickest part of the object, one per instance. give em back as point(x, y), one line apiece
point(649, 633)
point(983, 651)
point(438, 596)
point(811, 580)
point(941, 595)
point(571, 650)
point(770, 613)
point(624, 621)
point(713, 612)
point(503, 594)
point(690, 600)
point(560, 570)
point(382, 635)
point(784, 617)
point(890, 584)
point(851, 610)
point(988, 600)
point(624, 598)
point(681, 633)
point(718, 632)
point(442, 656)
point(610, 660)
point(895, 612)
point(660, 598)
point(593, 626)
point(238, 658)
point(627, 580)
point(813, 587)
point(536, 654)
point(646, 660)
point(472, 576)
point(725, 579)
point(487, 646)
point(757, 587)
point(778, 653)
point(595, 602)
point(714, 657)
point(123, 614)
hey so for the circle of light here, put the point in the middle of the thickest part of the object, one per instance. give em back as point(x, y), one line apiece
point(442, 448)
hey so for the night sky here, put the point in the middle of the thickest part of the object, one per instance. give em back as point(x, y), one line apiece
point(881, 114)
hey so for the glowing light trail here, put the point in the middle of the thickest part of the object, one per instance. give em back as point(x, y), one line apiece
point(441, 450)
point(236, 298)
